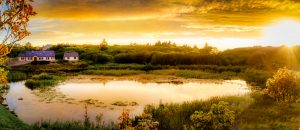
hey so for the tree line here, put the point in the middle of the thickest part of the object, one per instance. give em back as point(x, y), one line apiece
point(170, 54)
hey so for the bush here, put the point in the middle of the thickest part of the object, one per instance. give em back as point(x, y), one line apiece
point(218, 118)
point(283, 86)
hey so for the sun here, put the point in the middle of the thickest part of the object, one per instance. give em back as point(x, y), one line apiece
point(283, 32)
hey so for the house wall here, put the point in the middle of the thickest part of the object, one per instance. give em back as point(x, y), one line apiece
point(71, 58)
point(38, 58)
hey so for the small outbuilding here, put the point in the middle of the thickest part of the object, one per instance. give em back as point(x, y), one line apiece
point(71, 56)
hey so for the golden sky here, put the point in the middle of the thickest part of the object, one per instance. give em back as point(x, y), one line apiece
point(222, 23)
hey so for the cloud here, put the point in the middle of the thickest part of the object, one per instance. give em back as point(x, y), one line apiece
point(103, 9)
point(243, 12)
point(234, 12)
point(84, 20)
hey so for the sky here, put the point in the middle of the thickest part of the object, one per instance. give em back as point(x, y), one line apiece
point(221, 23)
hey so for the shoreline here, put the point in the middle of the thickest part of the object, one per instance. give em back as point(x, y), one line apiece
point(143, 78)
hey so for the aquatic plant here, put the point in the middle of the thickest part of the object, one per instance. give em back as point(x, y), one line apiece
point(43, 80)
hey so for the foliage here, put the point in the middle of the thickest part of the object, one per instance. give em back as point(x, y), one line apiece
point(14, 16)
point(124, 120)
point(220, 117)
point(177, 115)
point(3, 74)
point(145, 122)
point(42, 80)
point(283, 86)
point(14, 76)
point(103, 45)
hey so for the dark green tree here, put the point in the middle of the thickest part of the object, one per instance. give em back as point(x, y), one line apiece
point(104, 45)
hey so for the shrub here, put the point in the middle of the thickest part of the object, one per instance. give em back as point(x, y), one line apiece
point(218, 118)
point(283, 86)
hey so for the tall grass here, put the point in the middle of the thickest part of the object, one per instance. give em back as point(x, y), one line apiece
point(196, 74)
point(43, 80)
point(14, 76)
point(256, 77)
point(254, 111)
point(71, 125)
point(113, 72)
point(177, 115)
point(87, 124)
point(267, 114)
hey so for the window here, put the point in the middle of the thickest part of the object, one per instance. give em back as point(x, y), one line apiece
point(22, 58)
point(47, 58)
point(40, 58)
point(75, 57)
point(68, 58)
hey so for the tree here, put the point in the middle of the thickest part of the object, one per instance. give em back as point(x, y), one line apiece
point(207, 49)
point(14, 16)
point(283, 86)
point(219, 117)
point(28, 45)
point(104, 45)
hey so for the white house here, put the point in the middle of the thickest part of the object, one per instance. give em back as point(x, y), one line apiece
point(37, 56)
point(71, 56)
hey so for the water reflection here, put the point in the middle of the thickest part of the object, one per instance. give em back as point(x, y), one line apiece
point(66, 101)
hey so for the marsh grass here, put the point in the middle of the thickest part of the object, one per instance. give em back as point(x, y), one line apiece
point(86, 124)
point(265, 113)
point(253, 111)
point(180, 112)
point(14, 76)
point(72, 125)
point(197, 74)
point(43, 80)
point(113, 72)
point(252, 76)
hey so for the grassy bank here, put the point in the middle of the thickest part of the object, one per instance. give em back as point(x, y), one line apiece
point(267, 114)
point(181, 112)
point(9, 122)
point(255, 112)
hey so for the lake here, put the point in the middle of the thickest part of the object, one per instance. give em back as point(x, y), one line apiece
point(67, 101)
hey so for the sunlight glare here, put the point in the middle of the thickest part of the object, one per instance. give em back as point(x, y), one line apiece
point(283, 32)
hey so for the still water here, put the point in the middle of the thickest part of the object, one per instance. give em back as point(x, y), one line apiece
point(67, 101)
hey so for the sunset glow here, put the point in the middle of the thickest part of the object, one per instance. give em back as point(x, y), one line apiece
point(225, 24)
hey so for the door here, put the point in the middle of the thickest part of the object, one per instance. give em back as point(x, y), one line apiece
point(35, 58)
